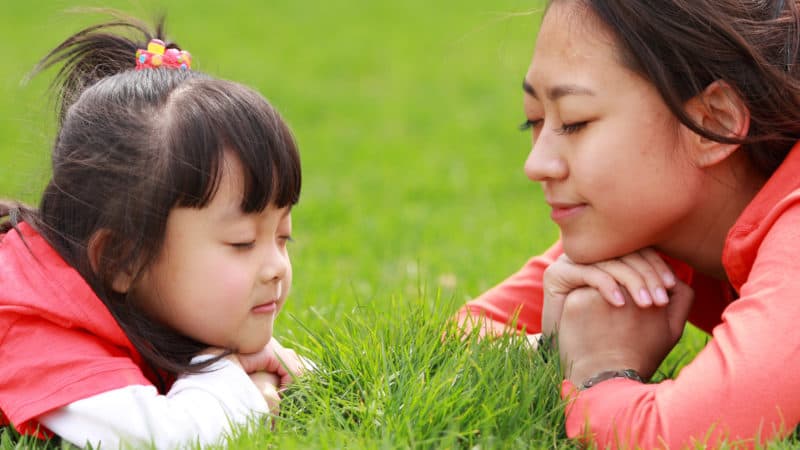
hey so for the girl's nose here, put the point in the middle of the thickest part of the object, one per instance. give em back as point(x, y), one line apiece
point(545, 163)
point(275, 264)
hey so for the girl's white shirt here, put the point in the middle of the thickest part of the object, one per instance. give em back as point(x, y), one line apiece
point(199, 408)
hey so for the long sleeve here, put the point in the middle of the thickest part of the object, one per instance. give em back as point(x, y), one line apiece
point(742, 387)
point(198, 408)
point(519, 297)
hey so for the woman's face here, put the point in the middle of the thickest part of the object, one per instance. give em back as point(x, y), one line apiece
point(609, 155)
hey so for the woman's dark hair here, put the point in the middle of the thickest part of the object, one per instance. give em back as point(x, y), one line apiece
point(682, 46)
point(134, 144)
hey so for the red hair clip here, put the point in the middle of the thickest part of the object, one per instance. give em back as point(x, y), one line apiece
point(157, 55)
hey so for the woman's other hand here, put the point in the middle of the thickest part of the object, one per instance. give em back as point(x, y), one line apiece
point(594, 336)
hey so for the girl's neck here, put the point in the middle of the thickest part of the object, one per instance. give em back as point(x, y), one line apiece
point(728, 191)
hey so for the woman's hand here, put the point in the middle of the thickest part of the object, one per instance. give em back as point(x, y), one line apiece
point(487, 327)
point(643, 274)
point(594, 336)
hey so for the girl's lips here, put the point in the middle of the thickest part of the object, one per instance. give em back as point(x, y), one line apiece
point(561, 213)
point(266, 308)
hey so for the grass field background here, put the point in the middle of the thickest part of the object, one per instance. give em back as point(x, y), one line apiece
point(413, 201)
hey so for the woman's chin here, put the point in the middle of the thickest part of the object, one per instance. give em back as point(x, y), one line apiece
point(589, 252)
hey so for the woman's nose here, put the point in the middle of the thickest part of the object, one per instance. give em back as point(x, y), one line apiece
point(545, 163)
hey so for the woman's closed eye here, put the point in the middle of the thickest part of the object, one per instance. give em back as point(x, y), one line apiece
point(570, 128)
point(529, 123)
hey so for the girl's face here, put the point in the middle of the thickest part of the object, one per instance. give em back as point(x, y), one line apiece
point(610, 156)
point(222, 275)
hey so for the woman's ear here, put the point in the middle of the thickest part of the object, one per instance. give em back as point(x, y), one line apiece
point(720, 109)
point(123, 278)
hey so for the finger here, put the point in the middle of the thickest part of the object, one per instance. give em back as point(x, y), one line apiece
point(288, 359)
point(631, 278)
point(469, 322)
point(650, 274)
point(660, 266)
point(260, 360)
point(274, 355)
point(465, 322)
point(564, 277)
point(291, 361)
point(552, 309)
point(679, 308)
point(273, 400)
point(265, 380)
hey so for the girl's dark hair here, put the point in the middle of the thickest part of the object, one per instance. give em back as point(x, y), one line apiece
point(133, 145)
point(682, 46)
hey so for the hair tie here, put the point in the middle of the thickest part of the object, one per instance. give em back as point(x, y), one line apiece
point(157, 55)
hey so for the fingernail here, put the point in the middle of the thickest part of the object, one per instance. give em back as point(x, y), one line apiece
point(644, 296)
point(619, 299)
point(661, 296)
point(669, 279)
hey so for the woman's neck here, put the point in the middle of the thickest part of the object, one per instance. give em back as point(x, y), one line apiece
point(727, 192)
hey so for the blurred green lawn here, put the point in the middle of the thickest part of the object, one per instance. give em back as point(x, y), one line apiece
point(406, 116)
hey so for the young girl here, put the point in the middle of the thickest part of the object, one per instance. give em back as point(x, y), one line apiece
point(666, 128)
point(137, 302)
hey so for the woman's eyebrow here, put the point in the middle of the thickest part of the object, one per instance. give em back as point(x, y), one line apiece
point(558, 91)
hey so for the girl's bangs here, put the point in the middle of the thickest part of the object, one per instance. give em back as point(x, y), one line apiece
point(212, 117)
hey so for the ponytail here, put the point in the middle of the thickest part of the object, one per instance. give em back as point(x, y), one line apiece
point(95, 53)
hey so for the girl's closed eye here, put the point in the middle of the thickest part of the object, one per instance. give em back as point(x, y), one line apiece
point(243, 245)
point(285, 239)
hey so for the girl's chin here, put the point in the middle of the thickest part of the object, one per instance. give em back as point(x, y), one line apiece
point(253, 347)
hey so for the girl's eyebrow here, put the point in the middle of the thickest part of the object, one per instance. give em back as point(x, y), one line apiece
point(558, 91)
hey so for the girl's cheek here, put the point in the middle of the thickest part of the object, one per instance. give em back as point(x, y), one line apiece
point(232, 279)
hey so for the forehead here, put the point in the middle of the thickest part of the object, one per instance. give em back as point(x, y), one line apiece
point(573, 46)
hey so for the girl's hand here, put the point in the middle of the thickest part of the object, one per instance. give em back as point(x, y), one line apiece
point(268, 384)
point(642, 273)
point(595, 336)
point(274, 359)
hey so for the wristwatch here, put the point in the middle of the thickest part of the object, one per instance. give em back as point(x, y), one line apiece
point(609, 374)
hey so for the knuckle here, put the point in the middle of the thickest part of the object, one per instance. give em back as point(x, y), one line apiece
point(581, 298)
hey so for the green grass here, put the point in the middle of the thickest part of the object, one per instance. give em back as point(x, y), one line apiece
point(414, 201)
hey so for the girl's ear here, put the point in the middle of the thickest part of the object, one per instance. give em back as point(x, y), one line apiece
point(123, 278)
point(720, 109)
